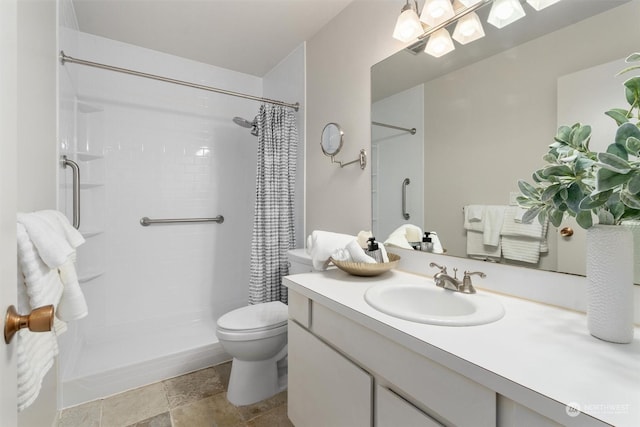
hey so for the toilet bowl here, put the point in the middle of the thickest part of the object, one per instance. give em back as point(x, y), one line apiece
point(256, 337)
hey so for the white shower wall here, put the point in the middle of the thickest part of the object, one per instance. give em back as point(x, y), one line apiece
point(148, 148)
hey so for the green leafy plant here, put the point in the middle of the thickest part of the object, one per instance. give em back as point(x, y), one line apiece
point(582, 183)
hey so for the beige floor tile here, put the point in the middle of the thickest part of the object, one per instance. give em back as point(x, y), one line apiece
point(275, 418)
point(214, 411)
point(162, 420)
point(251, 411)
point(192, 387)
point(224, 370)
point(134, 406)
point(85, 415)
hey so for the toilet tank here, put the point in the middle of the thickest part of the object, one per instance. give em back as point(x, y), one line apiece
point(299, 261)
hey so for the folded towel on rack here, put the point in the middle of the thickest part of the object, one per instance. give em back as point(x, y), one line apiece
point(478, 250)
point(493, 220)
point(321, 244)
point(403, 236)
point(511, 227)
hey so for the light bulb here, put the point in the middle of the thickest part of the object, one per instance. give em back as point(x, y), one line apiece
point(468, 29)
point(408, 25)
point(436, 12)
point(504, 12)
point(439, 43)
point(541, 4)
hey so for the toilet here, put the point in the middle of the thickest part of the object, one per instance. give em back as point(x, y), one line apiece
point(256, 337)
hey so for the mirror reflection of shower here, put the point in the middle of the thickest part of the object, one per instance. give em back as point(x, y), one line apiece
point(247, 124)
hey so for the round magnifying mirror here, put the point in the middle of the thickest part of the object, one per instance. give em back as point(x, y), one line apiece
point(331, 141)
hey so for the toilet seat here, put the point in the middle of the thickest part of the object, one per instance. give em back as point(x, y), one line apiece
point(253, 322)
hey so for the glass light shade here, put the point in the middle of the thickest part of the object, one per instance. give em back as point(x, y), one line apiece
point(541, 4)
point(439, 43)
point(469, 3)
point(408, 26)
point(435, 12)
point(468, 29)
point(504, 12)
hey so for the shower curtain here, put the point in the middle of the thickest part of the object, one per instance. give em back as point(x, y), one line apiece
point(273, 227)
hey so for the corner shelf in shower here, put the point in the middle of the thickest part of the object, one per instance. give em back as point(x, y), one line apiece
point(90, 233)
point(87, 157)
point(90, 276)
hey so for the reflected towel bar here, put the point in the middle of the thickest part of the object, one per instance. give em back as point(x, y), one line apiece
point(412, 131)
point(146, 221)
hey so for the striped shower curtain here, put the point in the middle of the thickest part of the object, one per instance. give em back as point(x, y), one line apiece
point(273, 224)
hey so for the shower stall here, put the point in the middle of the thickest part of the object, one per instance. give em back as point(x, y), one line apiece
point(147, 148)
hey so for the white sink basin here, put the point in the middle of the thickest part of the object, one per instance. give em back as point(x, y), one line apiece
point(429, 304)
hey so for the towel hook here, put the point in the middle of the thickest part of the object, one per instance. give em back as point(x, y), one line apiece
point(39, 320)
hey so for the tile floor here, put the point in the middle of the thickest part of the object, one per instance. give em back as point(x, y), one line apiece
point(197, 399)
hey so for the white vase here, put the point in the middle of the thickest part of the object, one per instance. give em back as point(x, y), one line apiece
point(610, 283)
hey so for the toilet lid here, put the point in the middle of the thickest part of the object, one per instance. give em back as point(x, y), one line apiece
point(255, 317)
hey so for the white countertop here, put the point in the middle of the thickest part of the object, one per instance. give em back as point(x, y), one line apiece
point(542, 348)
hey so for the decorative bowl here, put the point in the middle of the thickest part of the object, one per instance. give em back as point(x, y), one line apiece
point(365, 269)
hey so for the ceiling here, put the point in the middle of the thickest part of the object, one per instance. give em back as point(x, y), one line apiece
point(249, 36)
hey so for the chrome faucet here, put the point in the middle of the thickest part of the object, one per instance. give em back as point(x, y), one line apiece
point(443, 280)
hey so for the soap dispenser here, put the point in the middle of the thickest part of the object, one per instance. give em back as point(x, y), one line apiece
point(425, 241)
point(373, 250)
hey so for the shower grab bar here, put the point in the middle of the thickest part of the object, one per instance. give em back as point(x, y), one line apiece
point(412, 131)
point(146, 221)
point(76, 189)
point(405, 214)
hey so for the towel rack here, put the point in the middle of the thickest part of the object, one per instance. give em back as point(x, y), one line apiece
point(76, 189)
point(146, 221)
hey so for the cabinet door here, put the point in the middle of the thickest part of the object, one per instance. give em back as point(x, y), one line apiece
point(394, 411)
point(325, 388)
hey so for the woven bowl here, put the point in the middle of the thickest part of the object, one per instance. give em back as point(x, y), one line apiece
point(364, 269)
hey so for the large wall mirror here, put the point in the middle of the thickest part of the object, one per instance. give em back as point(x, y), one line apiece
point(485, 114)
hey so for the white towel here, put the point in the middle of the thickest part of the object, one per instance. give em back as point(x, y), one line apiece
point(357, 253)
point(474, 213)
point(437, 246)
point(321, 244)
point(52, 235)
point(493, 220)
point(519, 213)
point(46, 251)
point(521, 241)
point(478, 250)
point(404, 234)
point(72, 305)
point(511, 227)
point(36, 352)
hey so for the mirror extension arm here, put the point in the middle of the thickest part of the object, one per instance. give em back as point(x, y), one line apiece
point(362, 159)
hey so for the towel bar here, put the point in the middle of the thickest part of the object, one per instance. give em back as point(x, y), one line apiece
point(146, 221)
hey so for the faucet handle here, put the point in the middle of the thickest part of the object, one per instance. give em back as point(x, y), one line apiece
point(443, 270)
point(467, 287)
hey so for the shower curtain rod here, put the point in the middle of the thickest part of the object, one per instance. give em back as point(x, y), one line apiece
point(65, 58)
point(412, 131)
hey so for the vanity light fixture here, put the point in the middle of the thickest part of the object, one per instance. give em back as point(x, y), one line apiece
point(437, 15)
point(505, 12)
point(439, 43)
point(541, 4)
point(408, 25)
point(468, 29)
point(436, 12)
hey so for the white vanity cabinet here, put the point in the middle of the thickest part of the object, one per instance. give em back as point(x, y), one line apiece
point(325, 388)
point(335, 363)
